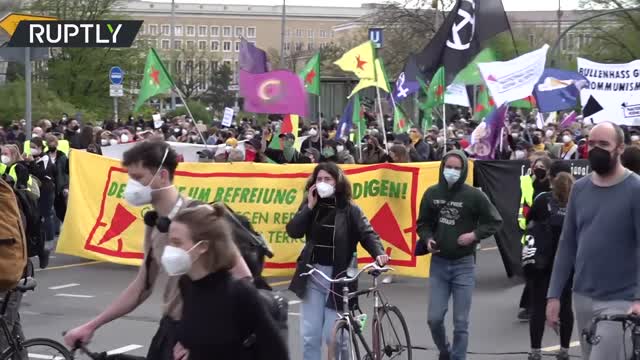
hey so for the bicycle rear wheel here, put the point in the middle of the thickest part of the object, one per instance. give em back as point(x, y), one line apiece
point(38, 349)
point(343, 344)
point(395, 342)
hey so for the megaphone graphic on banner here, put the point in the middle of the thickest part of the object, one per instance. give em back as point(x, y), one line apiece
point(120, 221)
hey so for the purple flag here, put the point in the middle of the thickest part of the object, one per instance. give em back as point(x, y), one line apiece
point(568, 120)
point(252, 59)
point(487, 135)
point(275, 92)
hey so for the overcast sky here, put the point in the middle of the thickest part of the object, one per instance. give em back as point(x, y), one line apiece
point(508, 4)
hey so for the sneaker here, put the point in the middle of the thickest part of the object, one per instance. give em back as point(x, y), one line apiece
point(562, 356)
point(444, 356)
point(536, 356)
point(523, 315)
point(387, 279)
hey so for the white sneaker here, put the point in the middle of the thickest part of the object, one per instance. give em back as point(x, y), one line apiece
point(387, 279)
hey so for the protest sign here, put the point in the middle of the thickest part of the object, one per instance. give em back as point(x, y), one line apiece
point(101, 225)
point(228, 117)
point(514, 79)
point(614, 90)
point(456, 94)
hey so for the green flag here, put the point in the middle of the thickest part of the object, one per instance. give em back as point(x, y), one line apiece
point(426, 111)
point(358, 119)
point(484, 103)
point(156, 79)
point(310, 75)
point(401, 122)
point(470, 75)
point(435, 92)
point(527, 103)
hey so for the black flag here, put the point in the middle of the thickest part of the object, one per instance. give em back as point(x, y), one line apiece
point(460, 37)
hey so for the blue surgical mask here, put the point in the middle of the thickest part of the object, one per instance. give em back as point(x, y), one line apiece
point(451, 175)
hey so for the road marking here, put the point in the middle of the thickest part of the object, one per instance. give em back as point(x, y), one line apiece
point(45, 357)
point(278, 283)
point(65, 286)
point(124, 349)
point(70, 266)
point(75, 296)
point(294, 302)
point(294, 314)
point(557, 347)
point(489, 248)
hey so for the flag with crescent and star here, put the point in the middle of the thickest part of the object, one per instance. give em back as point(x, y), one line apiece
point(360, 61)
point(407, 82)
point(310, 75)
point(274, 92)
point(156, 79)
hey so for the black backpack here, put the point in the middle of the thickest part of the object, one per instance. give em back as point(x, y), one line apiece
point(34, 230)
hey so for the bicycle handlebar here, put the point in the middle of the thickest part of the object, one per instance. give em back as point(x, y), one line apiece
point(590, 333)
point(373, 267)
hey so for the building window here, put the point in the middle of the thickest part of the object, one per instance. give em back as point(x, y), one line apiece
point(252, 43)
point(239, 31)
point(178, 30)
point(191, 30)
point(226, 46)
point(165, 30)
point(153, 30)
point(214, 65)
point(165, 44)
point(191, 44)
point(177, 44)
point(287, 46)
point(532, 40)
point(179, 66)
point(202, 31)
point(288, 32)
point(310, 46)
point(215, 45)
point(237, 46)
point(323, 34)
point(153, 43)
point(251, 32)
point(202, 45)
point(227, 63)
point(226, 31)
point(299, 46)
point(215, 31)
point(310, 33)
point(299, 33)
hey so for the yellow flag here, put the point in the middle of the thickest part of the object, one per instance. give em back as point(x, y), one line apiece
point(379, 81)
point(359, 60)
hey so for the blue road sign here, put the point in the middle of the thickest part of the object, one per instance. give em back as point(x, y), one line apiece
point(116, 75)
point(375, 35)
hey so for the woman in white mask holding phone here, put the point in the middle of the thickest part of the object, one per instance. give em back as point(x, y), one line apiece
point(333, 226)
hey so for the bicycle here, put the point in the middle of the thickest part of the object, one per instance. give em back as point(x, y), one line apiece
point(103, 355)
point(19, 348)
point(626, 320)
point(386, 343)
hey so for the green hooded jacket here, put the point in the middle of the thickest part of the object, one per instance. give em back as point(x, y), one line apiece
point(467, 209)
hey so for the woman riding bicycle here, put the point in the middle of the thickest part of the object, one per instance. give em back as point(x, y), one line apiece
point(222, 318)
point(333, 226)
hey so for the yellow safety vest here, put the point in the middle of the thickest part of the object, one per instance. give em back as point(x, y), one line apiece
point(3, 167)
point(63, 145)
point(27, 147)
point(526, 201)
point(14, 176)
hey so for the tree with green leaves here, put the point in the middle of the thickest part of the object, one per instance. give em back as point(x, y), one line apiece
point(217, 95)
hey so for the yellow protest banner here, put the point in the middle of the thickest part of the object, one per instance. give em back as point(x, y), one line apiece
point(100, 225)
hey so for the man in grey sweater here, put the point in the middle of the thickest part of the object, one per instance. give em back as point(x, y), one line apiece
point(601, 242)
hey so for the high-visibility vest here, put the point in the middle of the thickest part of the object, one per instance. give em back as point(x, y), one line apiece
point(63, 145)
point(526, 201)
point(14, 176)
point(27, 147)
point(3, 167)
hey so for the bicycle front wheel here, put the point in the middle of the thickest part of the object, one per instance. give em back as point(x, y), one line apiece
point(343, 344)
point(394, 334)
point(41, 349)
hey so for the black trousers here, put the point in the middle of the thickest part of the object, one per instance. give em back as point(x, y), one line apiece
point(538, 285)
point(164, 340)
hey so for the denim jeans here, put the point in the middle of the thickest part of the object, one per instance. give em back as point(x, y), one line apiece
point(317, 320)
point(451, 278)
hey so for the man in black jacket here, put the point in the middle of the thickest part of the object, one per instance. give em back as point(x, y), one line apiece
point(422, 149)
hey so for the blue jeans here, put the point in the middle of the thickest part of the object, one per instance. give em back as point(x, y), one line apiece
point(317, 320)
point(447, 278)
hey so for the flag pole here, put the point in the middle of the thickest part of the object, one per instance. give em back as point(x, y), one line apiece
point(320, 120)
point(381, 119)
point(444, 127)
point(475, 101)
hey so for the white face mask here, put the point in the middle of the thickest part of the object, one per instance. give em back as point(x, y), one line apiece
point(137, 194)
point(340, 148)
point(566, 139)
point(34, 135)
point(5, 159)
point(177, 261)
point(515, 135)
point(313, 132)
point(124, 138)
point(249, 137)
point(549, 133)
point(451, 175)
point(184, 131)
point(325, 190)
point(113, 142)
point(36, 152)
point(520, 155)
point(104, 142)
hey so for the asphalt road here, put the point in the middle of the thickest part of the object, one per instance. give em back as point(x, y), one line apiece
point(74, 290)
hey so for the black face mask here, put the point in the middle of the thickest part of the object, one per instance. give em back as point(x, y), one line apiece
point(52, 149)
point(540, 173)
point(536, 140)
point(601, 161)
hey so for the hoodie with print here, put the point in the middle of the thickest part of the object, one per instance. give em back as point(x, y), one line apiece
point(464, 209)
